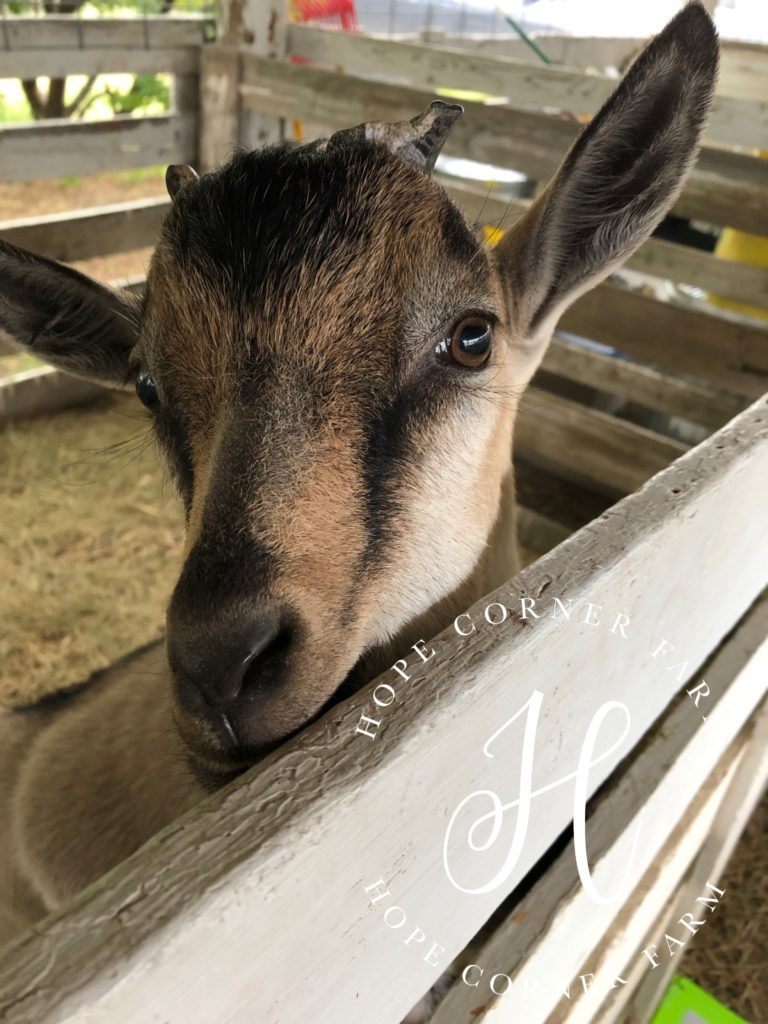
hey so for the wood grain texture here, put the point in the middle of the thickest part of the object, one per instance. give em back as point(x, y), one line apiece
point(216, 918)
point(219, 127)
point(635, 382)
point(96, 231)
point(98, 61)
point(743, 66)
point(70, 32)
point(609, 453)
point(555, 927)
point(87, 147)
point(735, 122)
point(725, 187)
point(740, 281)
point(730, 353)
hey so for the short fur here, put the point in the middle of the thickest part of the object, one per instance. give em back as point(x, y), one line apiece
point(342, 482)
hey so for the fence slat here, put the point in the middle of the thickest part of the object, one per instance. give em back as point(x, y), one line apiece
point(729, 278)
point(59, 148)
point(735, 122)
point(662, 786)
point(725, 188)
point(65, 32)
point(743, 66)
point(731, 353)
point(607, 452)
point(97, 231)
point(296, 840)
point(103, 60)
point(43, 390)
point(636, 382)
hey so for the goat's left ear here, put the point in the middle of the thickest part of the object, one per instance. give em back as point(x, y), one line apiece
point(619, 179)
point(64, 318)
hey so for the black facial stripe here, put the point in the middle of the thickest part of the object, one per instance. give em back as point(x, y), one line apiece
point(389, 450)
point(456, 235)
point(173, 438)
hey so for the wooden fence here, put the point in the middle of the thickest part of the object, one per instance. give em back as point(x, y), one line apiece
point(254, 906)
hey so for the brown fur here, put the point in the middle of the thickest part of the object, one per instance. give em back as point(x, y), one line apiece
point(333, 465)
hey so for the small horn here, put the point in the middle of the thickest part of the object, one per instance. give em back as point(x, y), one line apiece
point(417, 141)
point(177, 176)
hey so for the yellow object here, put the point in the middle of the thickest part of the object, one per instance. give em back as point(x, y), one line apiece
point(745, 248)
point(493, 235)
point(753, 249)
point(468, 95)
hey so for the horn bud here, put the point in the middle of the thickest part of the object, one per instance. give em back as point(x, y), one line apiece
point(418, 141)
point(177, 176)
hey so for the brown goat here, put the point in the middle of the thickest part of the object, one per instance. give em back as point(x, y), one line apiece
point(332, 359)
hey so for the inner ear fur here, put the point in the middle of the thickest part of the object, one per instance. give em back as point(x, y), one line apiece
point(65, 318)
point(619, 179)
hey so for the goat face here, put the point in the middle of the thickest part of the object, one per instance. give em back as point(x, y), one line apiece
point(332, 359)
point(324, 351)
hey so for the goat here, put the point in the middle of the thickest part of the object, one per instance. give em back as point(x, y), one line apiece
point(332, 360)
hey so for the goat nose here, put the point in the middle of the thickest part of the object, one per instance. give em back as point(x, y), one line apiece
point(225, 664)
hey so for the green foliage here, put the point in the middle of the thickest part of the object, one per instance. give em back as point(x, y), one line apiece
point(145, 91)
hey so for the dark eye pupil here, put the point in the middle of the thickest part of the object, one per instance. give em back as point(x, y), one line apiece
point(474, 339)
point(145, 389)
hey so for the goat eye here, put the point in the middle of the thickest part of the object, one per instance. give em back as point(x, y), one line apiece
point(146, 389)
point(470, 342)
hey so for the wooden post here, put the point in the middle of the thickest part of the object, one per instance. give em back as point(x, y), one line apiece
point(261, 29)
point(251, 26)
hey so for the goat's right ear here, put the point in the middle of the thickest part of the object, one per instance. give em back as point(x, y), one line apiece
point(619, 179)
point(64, 318)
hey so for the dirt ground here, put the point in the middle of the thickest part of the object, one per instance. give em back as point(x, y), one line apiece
point(55, 195)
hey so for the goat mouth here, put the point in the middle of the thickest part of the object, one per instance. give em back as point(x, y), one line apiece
point(217, 755)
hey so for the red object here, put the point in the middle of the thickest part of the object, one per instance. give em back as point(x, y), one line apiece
point(344, 10)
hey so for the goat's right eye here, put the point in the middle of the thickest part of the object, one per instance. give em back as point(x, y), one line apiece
point(146, 390)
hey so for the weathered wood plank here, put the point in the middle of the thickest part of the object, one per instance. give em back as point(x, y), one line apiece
point(219, 127)
point(729, 278)
point(731, 353)
point(743, 66)
point(733, 814)
point(70, 32)
point(529, 85)
point(29, 151)
point(538, 533)
point(97, 231)
point(593, 446)
point(43, 390)
point(556, 920)
point(285, 853)
point(725, 188)
point(639, 911)
point(98, 61)
point(708, 405)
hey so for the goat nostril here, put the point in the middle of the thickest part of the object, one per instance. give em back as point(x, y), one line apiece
point(263, 664)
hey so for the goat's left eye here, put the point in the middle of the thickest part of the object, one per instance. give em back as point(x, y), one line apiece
point(470, 342)
point(146, 389)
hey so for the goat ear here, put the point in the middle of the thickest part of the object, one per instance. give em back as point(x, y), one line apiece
point(65, 318)
point(619, 179)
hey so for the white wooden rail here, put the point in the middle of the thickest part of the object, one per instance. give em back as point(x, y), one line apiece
point(218, 917)
point(675, 779)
